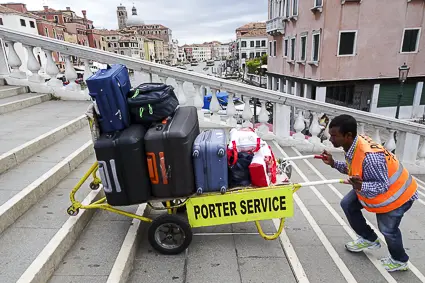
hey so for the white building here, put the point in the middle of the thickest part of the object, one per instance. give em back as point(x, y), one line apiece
point(174, 48)
point(252, 42)
point(223, 51)
point(201, 52)
point(22, 22)
point(182, 55)
point(250, 47)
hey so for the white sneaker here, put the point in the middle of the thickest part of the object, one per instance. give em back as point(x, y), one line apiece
point(362, 244)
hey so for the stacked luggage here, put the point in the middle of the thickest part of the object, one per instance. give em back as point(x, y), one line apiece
point(150, 147)
point(146, 138)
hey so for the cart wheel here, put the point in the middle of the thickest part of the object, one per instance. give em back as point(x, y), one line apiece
point(94, 186)
point(72, 212)
point(199, 191)
point(223, 190)
point(170, 234)
point(181, 209)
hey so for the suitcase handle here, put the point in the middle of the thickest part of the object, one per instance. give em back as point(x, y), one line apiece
point(153, 172)
point(163, 168)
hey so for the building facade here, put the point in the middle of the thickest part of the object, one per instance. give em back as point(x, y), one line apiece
point(23, 22)
point(147, 30)
point(348, 52)
point(251, 42)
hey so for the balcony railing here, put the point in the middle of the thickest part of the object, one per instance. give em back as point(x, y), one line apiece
point(275, 26)
point(410, 146)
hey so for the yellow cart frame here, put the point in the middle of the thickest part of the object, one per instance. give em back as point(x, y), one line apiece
point(172, 216)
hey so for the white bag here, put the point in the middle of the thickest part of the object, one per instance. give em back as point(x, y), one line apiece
point(245, 139)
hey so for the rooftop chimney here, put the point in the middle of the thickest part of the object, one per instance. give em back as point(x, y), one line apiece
point(84, 13)
point(46, 8)
point(68, 8)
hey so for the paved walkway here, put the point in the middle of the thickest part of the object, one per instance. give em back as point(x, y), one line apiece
point(311, 249)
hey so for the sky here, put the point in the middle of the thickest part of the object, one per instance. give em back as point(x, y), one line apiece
point(191, 21)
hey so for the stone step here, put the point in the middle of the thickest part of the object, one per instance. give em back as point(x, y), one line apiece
point(25, 184)
point(14, 103)
point(45, 205)
point(22, 126)
point(8, 91)
point(19, 154)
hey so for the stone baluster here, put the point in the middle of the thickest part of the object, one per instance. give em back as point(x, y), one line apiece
point(231, 110)
point(87, 72)
point(421, 154)
point(390, 145)
point(180, 93)
point(247, 113)
point(71, 75)
point(361, 130)
point(52, 70)
point(327, 135)
point(198, 101)
point(15, 62)
point(376, 137)
point(214, 106)
point(33, 65)
point(315, 130)
point(263, 118)
point(299, 126)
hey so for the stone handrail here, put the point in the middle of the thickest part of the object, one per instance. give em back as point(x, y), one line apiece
point(409, 135)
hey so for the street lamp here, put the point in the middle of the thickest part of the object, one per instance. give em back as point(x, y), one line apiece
point(403, 71)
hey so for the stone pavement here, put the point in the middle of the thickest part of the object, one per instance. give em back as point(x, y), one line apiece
point(315, 235)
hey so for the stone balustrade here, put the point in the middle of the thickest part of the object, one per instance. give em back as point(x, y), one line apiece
point(190, 88)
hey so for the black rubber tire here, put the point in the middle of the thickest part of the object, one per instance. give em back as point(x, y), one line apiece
point(170, 219)
point(181, 209)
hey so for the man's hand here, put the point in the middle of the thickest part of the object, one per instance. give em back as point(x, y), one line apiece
point(328, 159)
point(356, 182)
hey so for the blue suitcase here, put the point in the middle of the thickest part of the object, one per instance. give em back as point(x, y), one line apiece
point(210, 161)
point(109, 88)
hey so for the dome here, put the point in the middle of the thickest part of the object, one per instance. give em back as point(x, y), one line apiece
point(134, 20)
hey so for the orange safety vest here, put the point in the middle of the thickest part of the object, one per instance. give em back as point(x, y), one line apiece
point(402, 185)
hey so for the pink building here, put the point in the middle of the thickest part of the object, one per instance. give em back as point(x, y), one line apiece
point(348, 52)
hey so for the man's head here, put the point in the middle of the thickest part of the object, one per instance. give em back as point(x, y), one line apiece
point(343, 131)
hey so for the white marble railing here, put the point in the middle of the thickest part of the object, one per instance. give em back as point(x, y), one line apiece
point(189, 87)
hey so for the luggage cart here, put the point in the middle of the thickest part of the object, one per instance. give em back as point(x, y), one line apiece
point(171, 233)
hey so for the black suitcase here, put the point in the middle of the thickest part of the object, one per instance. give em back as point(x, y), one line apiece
point(122, 166)
point(169, 154)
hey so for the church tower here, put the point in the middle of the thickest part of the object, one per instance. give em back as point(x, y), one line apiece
point(121, 16)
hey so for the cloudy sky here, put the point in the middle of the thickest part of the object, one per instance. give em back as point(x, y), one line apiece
point(191, 21)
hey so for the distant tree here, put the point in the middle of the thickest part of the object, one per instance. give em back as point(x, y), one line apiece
point(253, 65)
point(264, 59)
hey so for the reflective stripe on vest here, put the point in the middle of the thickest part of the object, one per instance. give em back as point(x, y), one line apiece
point(401, 184)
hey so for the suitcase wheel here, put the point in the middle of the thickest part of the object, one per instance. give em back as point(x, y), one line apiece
point(195, 153)
point(94, 186)
point(170, 234)
point(72, 212)
point(223, 190)
point(199, 191)
point(221, 152)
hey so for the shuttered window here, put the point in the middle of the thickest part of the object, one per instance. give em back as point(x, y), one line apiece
point(388, 95)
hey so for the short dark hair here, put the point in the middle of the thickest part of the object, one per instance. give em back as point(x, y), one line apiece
point(345, 123)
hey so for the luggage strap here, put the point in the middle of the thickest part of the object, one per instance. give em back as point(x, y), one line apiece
point(143, 109)
point(274, 167)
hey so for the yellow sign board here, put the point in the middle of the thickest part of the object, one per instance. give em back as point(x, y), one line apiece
point(240, 206)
